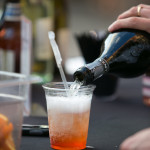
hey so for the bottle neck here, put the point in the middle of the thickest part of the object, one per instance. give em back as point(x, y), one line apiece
point(91, 71)
point(98, 67)
point(13, 11)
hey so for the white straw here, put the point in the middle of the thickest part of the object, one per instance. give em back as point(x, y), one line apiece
point(58, 58)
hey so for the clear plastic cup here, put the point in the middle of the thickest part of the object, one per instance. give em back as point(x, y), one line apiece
point(68, 117)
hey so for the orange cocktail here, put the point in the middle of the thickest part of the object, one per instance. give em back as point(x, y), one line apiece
point(68, 118)
point(69, 130)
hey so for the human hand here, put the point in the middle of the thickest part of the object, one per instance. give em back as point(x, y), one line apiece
point(131, 19)
point(138, 141)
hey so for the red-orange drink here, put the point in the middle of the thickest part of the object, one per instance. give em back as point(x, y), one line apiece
point(68, 118)
point(69, 130)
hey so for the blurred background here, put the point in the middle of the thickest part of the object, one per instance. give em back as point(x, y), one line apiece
point(67, 18)
point(88, 15)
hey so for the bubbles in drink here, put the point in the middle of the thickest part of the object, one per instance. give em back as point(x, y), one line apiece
point(68, 120)
point(72, 132)
point(73, 104)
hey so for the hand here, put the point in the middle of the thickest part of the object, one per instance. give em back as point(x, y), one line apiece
point(130, 19)
point(138, 141)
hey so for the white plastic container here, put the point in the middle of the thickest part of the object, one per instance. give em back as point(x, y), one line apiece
point(13, 93)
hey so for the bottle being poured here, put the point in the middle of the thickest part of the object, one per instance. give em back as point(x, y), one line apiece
point(125, 53)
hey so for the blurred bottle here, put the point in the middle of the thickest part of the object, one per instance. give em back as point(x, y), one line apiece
point(10, 38)
point(146, 88)
point(41, 13)
point(15, 44)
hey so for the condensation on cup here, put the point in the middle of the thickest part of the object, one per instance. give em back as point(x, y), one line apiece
point(68, 117)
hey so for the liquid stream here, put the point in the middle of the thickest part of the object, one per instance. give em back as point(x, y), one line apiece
point(74, 88)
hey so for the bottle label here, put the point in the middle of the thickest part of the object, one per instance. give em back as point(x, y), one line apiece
point(105, 64)
point(13, 12)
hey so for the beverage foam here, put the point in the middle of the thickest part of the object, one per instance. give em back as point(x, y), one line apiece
point(74, 104)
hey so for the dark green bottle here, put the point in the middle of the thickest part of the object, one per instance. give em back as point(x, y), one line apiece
point(125, 53)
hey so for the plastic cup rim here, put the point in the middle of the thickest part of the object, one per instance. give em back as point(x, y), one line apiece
point(46, 86)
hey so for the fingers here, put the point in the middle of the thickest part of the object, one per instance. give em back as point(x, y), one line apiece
point(128, 144)
point(132, 142)
point(132, 22)
point(131, 19)
point(132, 12)
point(138, 141)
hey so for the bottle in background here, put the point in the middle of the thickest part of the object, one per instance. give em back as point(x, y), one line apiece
point(125, 53)
point(41, 13)
point(15, 44)
point(15, 40)
point(146, 88)
point(10, 38)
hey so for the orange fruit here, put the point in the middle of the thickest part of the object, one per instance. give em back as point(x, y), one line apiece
point(6, 128)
